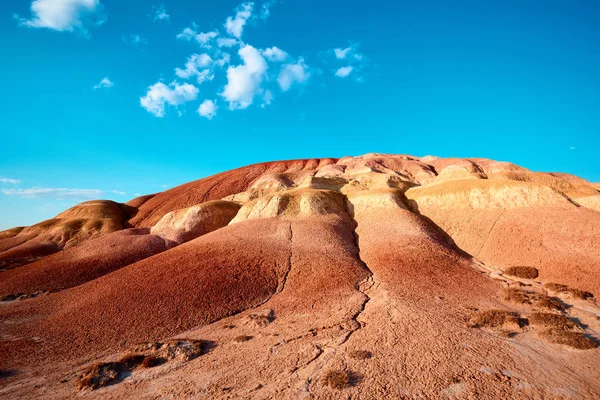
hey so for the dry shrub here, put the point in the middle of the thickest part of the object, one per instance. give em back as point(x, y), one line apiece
point(150, 361)
point(360, 354)
point(263, 318)
point(548, 303)
point(493, 318)
point(556, 321)
point(517, 296)
point(580, 294)
point(100, 375)
point(336, 379)
point(228, 326)
point(538, 300)
point(556, 287)
point(132, 360)
point(505, 333)
point(577, 340)
point(242, 338)
point(522, 272)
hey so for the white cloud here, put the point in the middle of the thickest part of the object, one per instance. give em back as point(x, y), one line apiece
point(355, 62)
point(293, 73)
point(11, 181)
point(244, 81)
point(226, 42)
point(203, 38)
point(197, 65)
point(135, 40)
point(65, 15)
point(235, 25)
point(57, 193)
point(208, 109)
point(225, 58)
point(265, 10)
point(159, 95)
point(342, 53)
point(570, 148)
point(105, 83)
point(343, 71)
point(274, 54)
point(267, 98)
point(160, 13)
point(118, 192)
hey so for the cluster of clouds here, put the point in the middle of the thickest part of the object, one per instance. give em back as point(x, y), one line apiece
point(258, 74)
point(353, 62)
point(248, 74)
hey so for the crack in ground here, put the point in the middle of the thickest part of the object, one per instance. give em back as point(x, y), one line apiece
point(289, 262)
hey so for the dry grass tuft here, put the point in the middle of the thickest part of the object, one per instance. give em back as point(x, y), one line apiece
point(522, 272)
point(493, 318)
point(580, 294)
point(263, 318)
point(576, 340)
point(517, 296)
point(556, 321)
point(538, 300)
point(100, 375)
point(150, 361)
point(548, 303)
point(242, 338)
point(360, 354)
point(505, 333)
point(228, 326)
point(576, 293)
point(336, 379)
point(132, 360)
point(556, 287)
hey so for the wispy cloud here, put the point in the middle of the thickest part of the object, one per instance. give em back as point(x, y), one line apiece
point(65, 15)
point(105, 83)
point(353, 60)
point(265, 10)
point(204, 39)
point(135, 40)
point(11, 181)
point(343, 71)
point(160, 13)
point(293, 73)
point(235, 25)
point(159, 95)
point(118, 192)
point(56, 193)
point(198, 65)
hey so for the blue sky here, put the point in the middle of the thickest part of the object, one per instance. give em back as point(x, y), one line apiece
point(110, 99)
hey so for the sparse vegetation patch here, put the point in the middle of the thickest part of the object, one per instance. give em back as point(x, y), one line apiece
point(576, 340)
point(555, 321)
point(494, 318)
point(522, 272)
point(336, 379)
point(100, 375)
point(360, 354)
point(263, 318)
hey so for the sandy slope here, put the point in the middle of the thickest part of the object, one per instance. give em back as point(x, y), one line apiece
point(391, 255)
